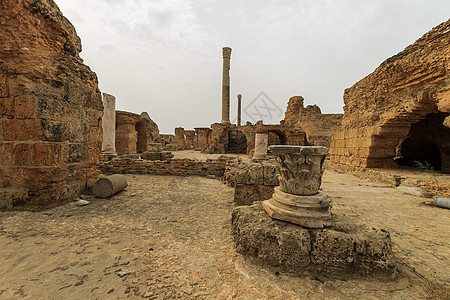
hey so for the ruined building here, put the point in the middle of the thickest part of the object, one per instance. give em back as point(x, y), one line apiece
point(399, 114)
point(134, 132)
point(50, 108)
point(318, 127)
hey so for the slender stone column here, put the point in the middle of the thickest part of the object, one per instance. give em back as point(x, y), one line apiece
point(261, 142)
point(226, 53)
point(298, 199)
point(109, 124)
point(239, 110)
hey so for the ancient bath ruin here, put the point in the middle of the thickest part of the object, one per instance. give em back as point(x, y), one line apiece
point(98, 202)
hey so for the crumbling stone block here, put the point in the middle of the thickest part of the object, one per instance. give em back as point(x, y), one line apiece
point(342, 249)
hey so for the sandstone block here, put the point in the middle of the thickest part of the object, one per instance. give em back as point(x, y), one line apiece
point(275, 242)
point(349, 249)
point(245, 194)
point(6, 154)
point(252, 173)
point(22, 130)
point(3, 86)
point(25, 108)
point(343, 249)
point(7, 108)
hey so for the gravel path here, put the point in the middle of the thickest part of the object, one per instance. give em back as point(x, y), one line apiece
point(169, 237)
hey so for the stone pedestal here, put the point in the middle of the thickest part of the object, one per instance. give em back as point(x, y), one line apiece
point(307, 211)
point(298, 199)
point(261, 142)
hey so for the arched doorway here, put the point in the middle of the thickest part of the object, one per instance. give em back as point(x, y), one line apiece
point(141, 144)
point(426, 144)
point(237, 142)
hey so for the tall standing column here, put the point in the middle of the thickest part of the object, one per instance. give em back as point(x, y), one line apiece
point(239, 110)
point(109, 124)
point(226, 53)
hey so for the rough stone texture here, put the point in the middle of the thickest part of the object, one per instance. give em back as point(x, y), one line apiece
point(157, 155)
point(254, 182)
point(344, 249)
point(219, 140)
point(178, 167)
point(109, 124)
point(319, 128)
point(110, 185)
point(400, 108)
point(135, 133)
point(50, 108)
point(179, 139)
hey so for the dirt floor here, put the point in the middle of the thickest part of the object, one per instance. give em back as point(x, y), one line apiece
point(169, 237)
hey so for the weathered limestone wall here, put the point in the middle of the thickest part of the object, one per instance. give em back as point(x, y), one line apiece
point(285, 135)
point(135, 133)
point(382, 108)
point(177, 167)
point(319, 128)
point(50, 108)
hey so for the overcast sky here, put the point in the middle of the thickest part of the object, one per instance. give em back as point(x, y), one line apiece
point(165, 57)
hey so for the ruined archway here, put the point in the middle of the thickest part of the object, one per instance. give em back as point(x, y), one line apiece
point(237, 142)
point(427, 144)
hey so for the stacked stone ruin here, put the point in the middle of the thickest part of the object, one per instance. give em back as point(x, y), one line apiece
point(50, 108)
point(399, 114)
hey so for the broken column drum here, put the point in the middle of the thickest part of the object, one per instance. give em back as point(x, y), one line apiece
point(298, 199)
point(226, 53)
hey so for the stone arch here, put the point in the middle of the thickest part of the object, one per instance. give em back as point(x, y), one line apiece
point(237, 142)
point(418, 123)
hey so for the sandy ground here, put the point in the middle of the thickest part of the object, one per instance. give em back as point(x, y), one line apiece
point(169, 237)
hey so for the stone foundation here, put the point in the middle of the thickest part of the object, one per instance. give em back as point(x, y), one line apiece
point(177, 167)
point(343, 249)
point(254, 182)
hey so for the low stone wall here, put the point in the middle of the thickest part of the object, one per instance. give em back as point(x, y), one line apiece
point(254, 182)
point(177, 167)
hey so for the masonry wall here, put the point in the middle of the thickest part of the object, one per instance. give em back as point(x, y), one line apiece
point(50, 108)
point(177, 167)
point(319, 128)
point(382, 108)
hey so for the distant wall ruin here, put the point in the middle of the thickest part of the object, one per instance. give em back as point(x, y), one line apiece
point(319, 128)
point(50, 108)
point(399, 114)
point(134, 132)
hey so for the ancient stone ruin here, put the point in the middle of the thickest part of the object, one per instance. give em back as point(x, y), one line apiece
point(50, 108)
point(399, 114)
point(134, 133)
point(299, 243)
point(298, 199)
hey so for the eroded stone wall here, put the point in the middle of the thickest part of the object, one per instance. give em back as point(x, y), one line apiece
point(381, 109)
point(135, 133)
point(319, 128)
point(176, 167)
point(50, 108)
